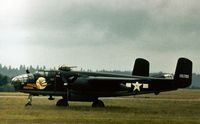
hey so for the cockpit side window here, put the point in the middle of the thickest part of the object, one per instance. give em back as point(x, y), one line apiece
point(30, 78)
point(46, 73)
point(39, 74)
point(50, 74)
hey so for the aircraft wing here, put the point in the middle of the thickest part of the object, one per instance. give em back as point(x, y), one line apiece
point(116, 79)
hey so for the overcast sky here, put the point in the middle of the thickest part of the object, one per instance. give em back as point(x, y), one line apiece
point(94, 34)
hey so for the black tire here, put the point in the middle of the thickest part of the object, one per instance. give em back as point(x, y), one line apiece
point(98, 104)
point(62, 102)
point(28, 104)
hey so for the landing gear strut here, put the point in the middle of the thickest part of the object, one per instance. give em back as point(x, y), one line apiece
point(29, 100)
point(63, 102)
point(98, 104)
point(51, 98)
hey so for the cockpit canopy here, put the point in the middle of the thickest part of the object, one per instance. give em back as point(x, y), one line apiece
point(44, 73)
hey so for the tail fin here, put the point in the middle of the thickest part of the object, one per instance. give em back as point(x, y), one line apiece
point(183, 73)
point(141, 67)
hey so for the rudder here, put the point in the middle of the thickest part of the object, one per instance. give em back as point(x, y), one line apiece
point(183, 73)
point(141, 67)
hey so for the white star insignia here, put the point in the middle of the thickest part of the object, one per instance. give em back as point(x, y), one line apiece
point(136, 86)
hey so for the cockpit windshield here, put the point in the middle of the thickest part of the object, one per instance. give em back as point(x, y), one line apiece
point(39, 73)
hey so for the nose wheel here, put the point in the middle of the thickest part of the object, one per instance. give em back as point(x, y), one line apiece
point(29, 103)
point(98, 104)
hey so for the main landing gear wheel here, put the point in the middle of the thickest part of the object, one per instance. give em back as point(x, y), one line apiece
point(62, 102)
point(98, 104)
point(28, 104)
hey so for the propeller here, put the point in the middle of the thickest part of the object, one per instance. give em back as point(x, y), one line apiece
point(68, 81)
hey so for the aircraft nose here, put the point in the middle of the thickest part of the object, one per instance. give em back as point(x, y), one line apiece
point(16, 82)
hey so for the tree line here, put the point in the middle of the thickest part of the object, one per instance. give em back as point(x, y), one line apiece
point(11, 72)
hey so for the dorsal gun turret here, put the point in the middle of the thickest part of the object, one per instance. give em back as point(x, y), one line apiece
point(66, 68)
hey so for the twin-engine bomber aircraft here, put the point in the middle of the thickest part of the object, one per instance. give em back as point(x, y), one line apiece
point(89, 86)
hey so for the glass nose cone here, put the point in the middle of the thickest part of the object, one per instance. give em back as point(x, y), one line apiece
point(16, 83)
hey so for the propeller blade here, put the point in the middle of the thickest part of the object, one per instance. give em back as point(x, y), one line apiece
point(69, 79)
